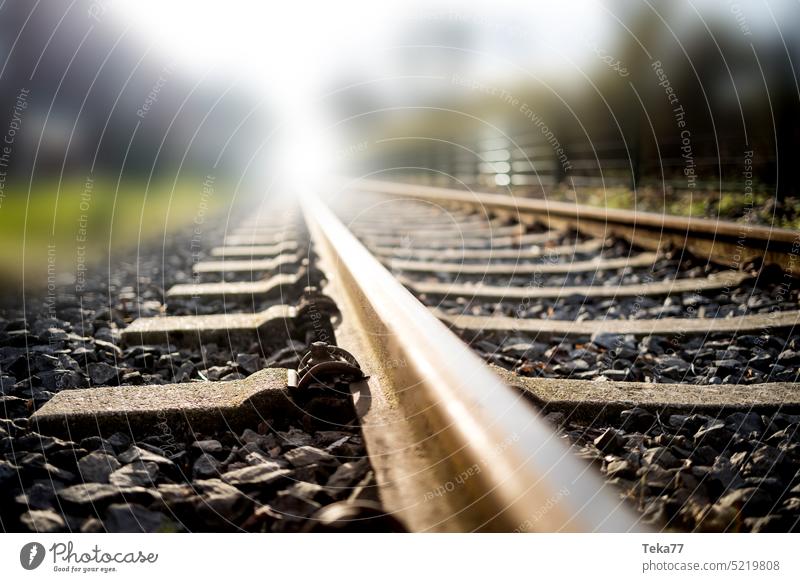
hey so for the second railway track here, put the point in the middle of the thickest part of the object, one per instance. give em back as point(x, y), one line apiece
point(657, 364)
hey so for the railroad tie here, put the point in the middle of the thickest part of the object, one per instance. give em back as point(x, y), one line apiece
point(461, 254)
point(468, 242)
point(377, 210)
point(273, 325)
point(223, 328)
point(479, 224)
point(281, 231)
point(285, 222)
point(272, 216)
point(185, 407)
point(266, 288)
point(640, 260)
point(292, 230)
point(257, 251)
point(254, 238)
point(444, 222)
point(595, 400)
point(713, 282)
point(224, 266)
point(640, 327)
point(426, 232)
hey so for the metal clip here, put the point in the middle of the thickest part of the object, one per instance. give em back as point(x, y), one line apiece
point(324, 363)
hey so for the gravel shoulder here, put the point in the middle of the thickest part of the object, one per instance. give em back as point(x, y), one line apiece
point(280, 475)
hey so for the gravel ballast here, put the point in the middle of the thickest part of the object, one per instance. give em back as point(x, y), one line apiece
point(274, 476)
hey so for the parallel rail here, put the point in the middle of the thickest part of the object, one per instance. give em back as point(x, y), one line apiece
point(730, 242)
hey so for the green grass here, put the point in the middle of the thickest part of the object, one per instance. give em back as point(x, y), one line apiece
point(64, 223)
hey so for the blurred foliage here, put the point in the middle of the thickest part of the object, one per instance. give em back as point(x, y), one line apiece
point(74, 223)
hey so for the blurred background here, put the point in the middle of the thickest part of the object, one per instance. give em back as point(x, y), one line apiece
point(124, 121)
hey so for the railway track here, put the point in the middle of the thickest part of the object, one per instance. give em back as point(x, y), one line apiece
point(625, 338)
point(510, 365)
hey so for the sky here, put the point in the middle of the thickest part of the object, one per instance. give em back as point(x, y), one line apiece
point(299, 55)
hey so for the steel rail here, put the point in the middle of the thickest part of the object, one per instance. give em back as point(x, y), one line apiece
point(454, 448)
point(716, 240)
